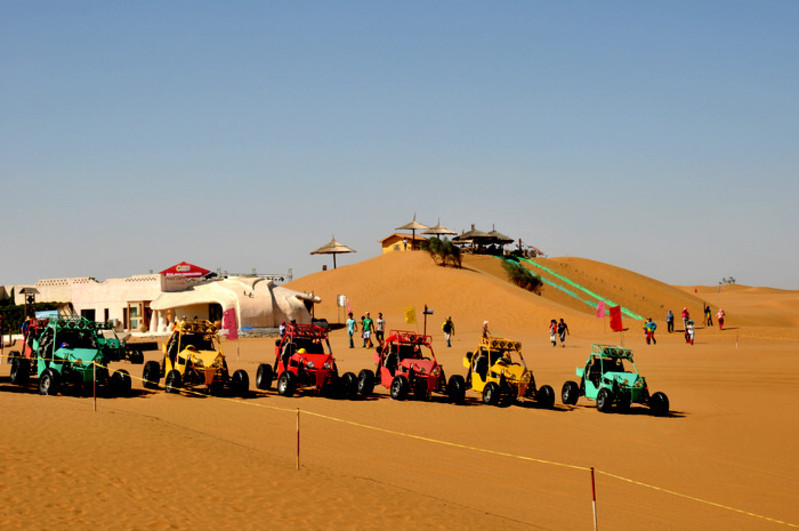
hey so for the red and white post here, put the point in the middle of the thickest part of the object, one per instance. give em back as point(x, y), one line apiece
point(593, 497)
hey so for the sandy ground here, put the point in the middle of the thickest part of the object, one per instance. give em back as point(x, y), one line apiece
point(166, 462)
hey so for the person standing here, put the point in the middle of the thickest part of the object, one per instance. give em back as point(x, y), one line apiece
point(563, 329)
point(720, 318)
point(708, 316)
point(685, 318)
point(670, 321)
point(449, 330)
point(380, 330)
point(486, 331)
point(368, 328)
point(553, 332)
point(689, 332)
point(352, 327)
point(649, 330)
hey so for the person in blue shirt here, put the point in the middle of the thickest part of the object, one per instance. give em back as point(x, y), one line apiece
point(352, 327)
point(649, 330)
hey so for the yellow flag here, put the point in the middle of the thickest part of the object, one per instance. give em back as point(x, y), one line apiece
point(410, 315)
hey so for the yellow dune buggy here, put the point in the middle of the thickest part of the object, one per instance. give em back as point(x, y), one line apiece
point(493, 371)
point(193, 357)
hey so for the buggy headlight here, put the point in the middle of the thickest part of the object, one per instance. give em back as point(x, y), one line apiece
point(311, 365)
point(327, 365)
point(436, 372)
point(198, 362)
point(527, 377)
point(510, 376)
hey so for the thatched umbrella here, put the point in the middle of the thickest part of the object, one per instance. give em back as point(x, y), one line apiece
point(439, 230)
point(413, 226)
point(333, 247)
point(501, 238)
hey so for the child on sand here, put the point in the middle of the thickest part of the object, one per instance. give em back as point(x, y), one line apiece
point(649, 330)
point(553, 332)
point(689, 332)
point(720, 318)
point(563, 329)
point(486, 331)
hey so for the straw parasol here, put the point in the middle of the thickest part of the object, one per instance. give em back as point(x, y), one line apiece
point(439, 230)
point(413, 226)
point(333, 247)
point(501, 238)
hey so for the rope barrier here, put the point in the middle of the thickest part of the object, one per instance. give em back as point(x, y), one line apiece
point(431, 440)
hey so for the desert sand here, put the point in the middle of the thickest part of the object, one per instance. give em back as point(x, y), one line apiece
point(726, 457)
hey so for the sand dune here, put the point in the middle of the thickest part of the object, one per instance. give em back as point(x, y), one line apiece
point(165, 462)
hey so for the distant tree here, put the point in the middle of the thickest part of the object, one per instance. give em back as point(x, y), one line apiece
point(522, 277)
point(442, 251)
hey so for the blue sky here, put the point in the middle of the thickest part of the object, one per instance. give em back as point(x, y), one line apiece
point(662, 137)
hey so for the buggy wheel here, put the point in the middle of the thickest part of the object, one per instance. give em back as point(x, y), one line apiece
point(11, 356)
point(545, 397)
point(659, 404)
point(456, 389)
point(20, 370)
point(286, 383)
point(240, 383)
point(366, 382)
point(399, 387)
point(136, 357)
point(491, 394)
point(348, 384)
point(264, 376)
point(570, 393)
point(173, 382)
point(604, 400)
point(48, 382)
point(120, 383)
point(151, 374)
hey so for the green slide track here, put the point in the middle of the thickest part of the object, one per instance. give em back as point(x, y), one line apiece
point(569, 282)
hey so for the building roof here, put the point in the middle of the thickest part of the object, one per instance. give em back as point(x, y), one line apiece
point(397, 236)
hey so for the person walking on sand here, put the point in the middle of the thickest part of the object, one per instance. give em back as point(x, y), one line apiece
point(708, 316)
point(368, 327)
point(649, 330)
point(685, 317)
point(689, 332)
point(352, 327)
point(670, 321)
point(563, 329)
point(486, 331)
point(449, 330)
point(380, 329)
point(720, 318)
point(553, 332)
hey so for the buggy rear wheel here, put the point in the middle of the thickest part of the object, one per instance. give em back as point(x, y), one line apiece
point(151, 374)
point(399, 387)
point(366, 382)
point(545, 397)
point(264, 376)
point(604, 400)
point(569, 393)
point(173, 382)
point(11, 356)
point(659, 404)
point(456, 389)
point(240, 383)
point(20, 370)
point(349, 385)
point(120, 383)
point(286, 383)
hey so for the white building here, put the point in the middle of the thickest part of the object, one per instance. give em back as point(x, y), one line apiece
point(150, 303)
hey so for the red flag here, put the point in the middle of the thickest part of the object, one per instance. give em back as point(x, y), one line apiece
point(600, 310)
point(615, 318)
point(229, 323)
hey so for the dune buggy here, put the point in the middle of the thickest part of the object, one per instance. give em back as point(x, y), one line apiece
point(64, 353)
point(301, 362)
point(605, 378)
point(406, 364)
point(502, 380)
point(193, 358)
point(116, 349)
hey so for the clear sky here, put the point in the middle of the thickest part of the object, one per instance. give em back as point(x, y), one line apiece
point(662, 137)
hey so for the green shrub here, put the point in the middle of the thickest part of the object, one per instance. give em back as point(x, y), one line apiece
point(522, 277)
point(442, 250)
